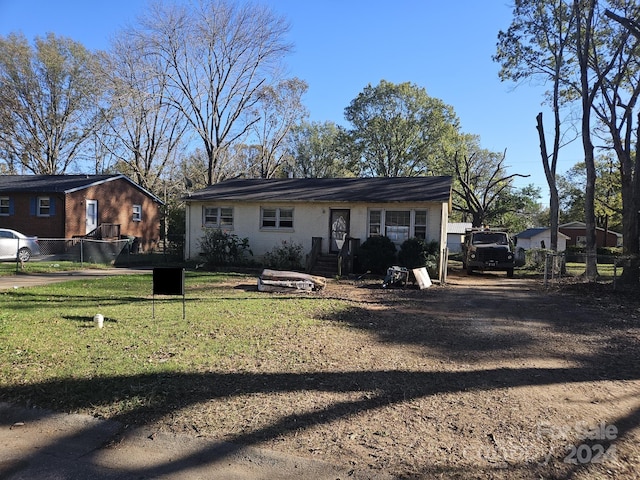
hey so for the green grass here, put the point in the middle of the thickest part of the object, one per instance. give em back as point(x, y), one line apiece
point(51, 352)
point(35, 266)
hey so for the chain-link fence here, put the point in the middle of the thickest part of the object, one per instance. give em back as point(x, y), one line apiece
point(125, 251)
point(83, 250)
point(562, 265)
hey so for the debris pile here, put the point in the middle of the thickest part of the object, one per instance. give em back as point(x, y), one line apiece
point(287, 281)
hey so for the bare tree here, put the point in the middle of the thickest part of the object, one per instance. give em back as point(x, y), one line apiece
point(48, 102)
point(480, 182)
point(217, 56)
point(142, 130)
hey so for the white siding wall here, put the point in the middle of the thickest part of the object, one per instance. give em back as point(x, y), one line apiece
point(309, 220)
point(534, 242)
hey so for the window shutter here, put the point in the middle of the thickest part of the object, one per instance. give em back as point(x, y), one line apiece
point(11, 207)
point(32, 206)
point(52, 206)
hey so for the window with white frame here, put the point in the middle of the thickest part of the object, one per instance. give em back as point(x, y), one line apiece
point(5, 206)
point(398, 225)
point(420, 224)
point(276, 217)
point(137, 213)
point(375, 223)
point(43, 207)
point(217, 217)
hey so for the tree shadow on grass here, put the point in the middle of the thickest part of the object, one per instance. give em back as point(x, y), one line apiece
point(393, 386)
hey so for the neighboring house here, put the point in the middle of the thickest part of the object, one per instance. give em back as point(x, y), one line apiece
point(67, 206)
point(539, 237)
point(576, 231)
point(455, 235)
point(270, 212)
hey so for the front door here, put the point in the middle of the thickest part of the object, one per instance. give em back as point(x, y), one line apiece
point(92, 215)
point(339, 225)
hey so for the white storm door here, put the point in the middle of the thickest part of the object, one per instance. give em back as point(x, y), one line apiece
point(92, 215)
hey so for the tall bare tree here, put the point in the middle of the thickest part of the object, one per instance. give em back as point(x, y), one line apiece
point(142, 130)
point(217, 55)
point(49, 97)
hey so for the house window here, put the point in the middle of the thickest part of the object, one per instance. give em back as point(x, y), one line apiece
point(276, 217)
point(581, 241)
point(420, 224)
point(5, 208)
point(43, 207)
point(217, 217)
point(137, 213)
point(398, 225)
point(375, 223)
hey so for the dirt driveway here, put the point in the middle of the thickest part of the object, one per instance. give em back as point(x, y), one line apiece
point(486, 377)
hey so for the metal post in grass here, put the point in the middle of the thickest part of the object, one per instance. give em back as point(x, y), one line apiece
point(546, 270)
point(18, 257)
point(168, 281)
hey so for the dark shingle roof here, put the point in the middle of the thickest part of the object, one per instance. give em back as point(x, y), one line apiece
point(378, 189)
point(59, 183)
point(50, 183)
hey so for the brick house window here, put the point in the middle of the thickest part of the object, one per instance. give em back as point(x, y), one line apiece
point(5, 206)
point(137, 213)
point(43, 207)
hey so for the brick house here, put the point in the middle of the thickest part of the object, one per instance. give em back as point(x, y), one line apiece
point(68, 206)
point(576, 231)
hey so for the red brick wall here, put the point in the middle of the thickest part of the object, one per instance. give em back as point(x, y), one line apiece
point(25, 221)
point(574, 233)
point(115, 205)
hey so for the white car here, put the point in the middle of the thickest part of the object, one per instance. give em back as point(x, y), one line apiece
point(16, 246)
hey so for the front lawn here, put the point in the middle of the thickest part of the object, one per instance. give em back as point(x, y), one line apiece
point(478, 378)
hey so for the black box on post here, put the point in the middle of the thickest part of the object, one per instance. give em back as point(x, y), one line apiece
point(168, 281)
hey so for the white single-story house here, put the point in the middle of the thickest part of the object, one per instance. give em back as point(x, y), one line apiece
point(539, 237)
point(455, 235)
point(271, 211)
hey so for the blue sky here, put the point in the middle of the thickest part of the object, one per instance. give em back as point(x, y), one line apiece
point(340, 46)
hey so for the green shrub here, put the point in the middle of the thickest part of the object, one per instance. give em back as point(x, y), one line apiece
point(376, 254)
point(416, 253)
point(223, 248)
point(287, 256)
